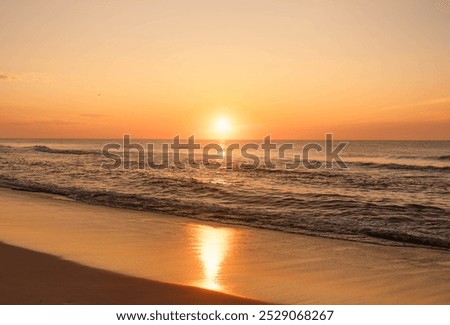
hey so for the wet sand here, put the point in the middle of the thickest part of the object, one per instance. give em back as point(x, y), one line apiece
point(28, 277)
point(264, 265)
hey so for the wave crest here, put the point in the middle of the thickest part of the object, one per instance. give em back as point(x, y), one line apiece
point(64, 151)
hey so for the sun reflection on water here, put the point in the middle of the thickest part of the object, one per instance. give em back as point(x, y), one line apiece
point(213, 246)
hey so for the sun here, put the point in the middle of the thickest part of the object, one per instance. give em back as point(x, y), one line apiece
point(222, 126)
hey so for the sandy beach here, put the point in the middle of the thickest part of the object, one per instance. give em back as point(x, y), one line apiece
point(29, 277)
point(101, 255)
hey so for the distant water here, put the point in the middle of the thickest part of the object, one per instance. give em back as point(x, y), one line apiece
point(394, 192)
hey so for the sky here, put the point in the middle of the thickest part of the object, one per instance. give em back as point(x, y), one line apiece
point(292, 69)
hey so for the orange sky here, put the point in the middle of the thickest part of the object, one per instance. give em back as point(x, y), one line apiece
point(293, 69)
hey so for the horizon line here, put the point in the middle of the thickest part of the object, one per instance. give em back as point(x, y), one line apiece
point(213, 139)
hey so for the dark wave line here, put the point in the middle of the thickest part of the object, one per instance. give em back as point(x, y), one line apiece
point(408, 238)
point(398, 166)
point(445, 157)
point(65, 151)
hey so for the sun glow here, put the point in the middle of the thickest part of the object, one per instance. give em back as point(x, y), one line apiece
point(222, 126)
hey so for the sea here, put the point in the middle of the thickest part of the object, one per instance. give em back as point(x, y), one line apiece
point(387, 192)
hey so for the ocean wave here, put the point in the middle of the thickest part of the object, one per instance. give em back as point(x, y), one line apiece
point(5, 148)
point(445, 157)
point(244, 166)
point(323, 215)
point(408, 238)
point(64, 151)
point(399, 166)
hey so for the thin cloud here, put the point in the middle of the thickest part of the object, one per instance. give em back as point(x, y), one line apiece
point(430, 102)
point(31, 76)
point(6, 77)
point(94, 115)
point(45, 122)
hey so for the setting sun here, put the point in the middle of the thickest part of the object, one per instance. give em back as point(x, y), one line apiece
point(222, 126)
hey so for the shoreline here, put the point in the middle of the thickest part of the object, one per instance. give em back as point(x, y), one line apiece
point(387, 243)
point(240, 261)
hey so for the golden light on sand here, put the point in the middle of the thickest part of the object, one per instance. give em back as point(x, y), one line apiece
point(213, 247)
